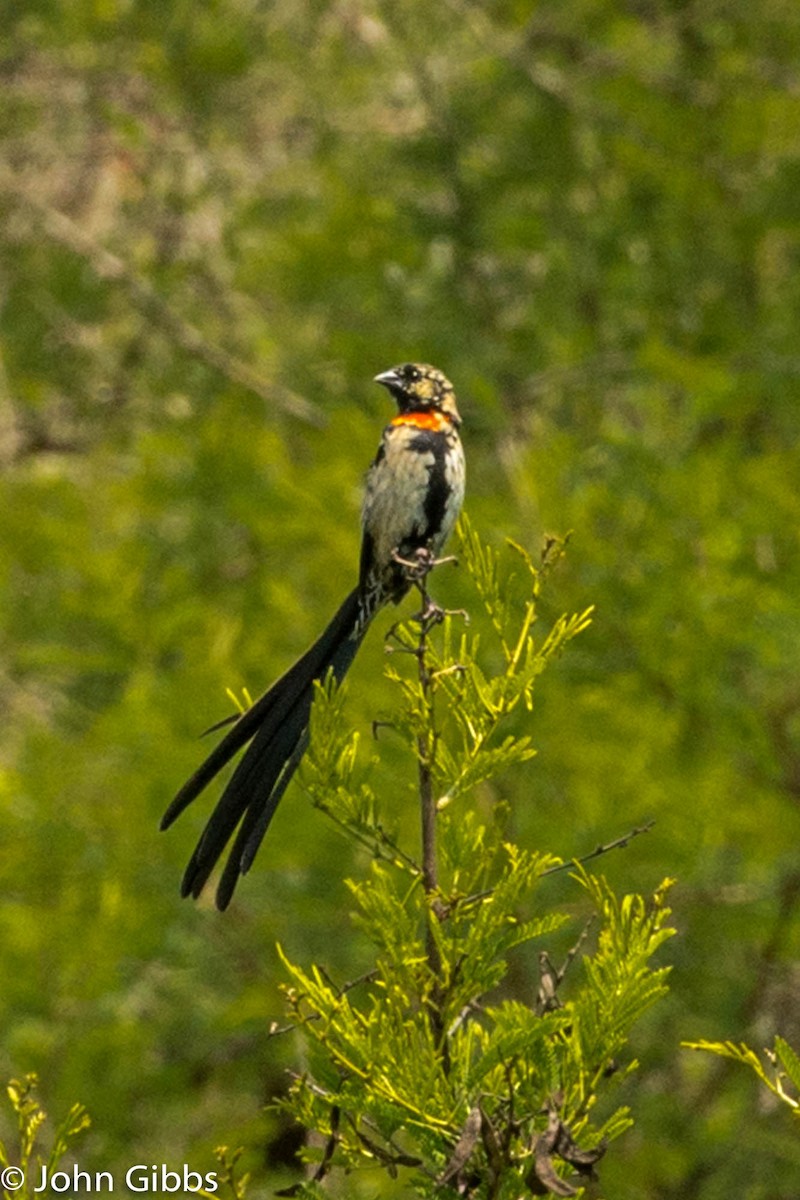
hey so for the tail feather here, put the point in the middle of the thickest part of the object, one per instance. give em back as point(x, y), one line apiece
point(312, 665)
point(252, 829)
point(250, 792)
point(276, 727)
point(256, 834)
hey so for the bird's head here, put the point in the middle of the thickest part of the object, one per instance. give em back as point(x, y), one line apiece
point(419, 387)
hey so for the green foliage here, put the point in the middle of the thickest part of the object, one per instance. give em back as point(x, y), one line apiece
point(479, 705)
point(233, 1182)
point(620, 984)
point(25, 1165)
point(22, 1171)
point(216, 224)
point(422, 1063)
point(783, 1066)
point(476, 706)
point(389, 1092)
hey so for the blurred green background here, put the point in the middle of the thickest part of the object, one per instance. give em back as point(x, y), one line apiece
point(217, 222)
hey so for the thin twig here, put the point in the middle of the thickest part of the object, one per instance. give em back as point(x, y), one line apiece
point(550, 978)
point(417, 570)
point(375, 839)
point(618, 844)
point(276, 1030)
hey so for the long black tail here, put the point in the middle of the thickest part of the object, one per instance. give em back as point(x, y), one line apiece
point(277, 728)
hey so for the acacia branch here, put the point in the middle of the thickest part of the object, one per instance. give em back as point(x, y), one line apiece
point(417, 570)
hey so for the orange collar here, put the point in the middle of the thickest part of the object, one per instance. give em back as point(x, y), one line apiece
point(430, 418)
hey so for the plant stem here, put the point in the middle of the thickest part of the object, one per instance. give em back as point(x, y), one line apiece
point(429, 616)
point(426, 749)
point(418, 569)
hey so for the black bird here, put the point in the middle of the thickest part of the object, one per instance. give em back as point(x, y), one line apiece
point(414, 492)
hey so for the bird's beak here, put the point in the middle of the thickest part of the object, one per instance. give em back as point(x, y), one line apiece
point(388, 379)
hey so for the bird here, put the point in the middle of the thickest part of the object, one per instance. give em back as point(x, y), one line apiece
point(412, 498)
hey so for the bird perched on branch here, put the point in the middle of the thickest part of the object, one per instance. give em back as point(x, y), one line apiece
point(414, 492)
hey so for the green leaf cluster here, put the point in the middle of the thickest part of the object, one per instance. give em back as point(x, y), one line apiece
point(477, 705)
point(781, 1074)
point(428, 1061)
point(28, 1159)
point(397, 1062)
